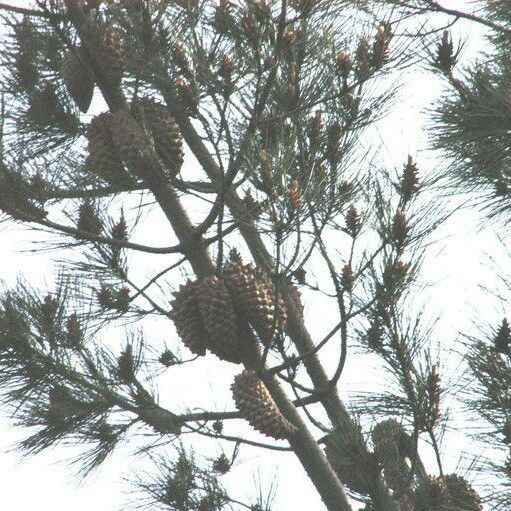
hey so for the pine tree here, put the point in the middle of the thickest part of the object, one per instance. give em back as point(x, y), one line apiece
point(237, 129)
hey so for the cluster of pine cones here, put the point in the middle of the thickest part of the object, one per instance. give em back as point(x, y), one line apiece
point(117, 138)
point(205, 315)
point(207, 319)
point(110, 55)
point(392, 452)
point(448, 492)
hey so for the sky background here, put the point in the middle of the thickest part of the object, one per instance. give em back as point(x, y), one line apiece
point(458, 264)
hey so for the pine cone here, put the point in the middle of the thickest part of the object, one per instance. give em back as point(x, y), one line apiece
point(73, 333)
point(400, 228)
point(88, 219)
point(188, 95)
point(180, 58)
point(316, 126)
point(257, 406)
point(164, 130)
point(27, 72)
point(391, 446)
point(187, 319)
point(16, 197)
point(502, 339)
point(79, 79)
point(106, 298)
point(123, 299)
point(462, 494)
point(446, 57)
point(103, 157)
point(295, 196)
point(45, 107)
point(410, 179)
point(128, 139)
point(347, 278)
point(344, 64)
point(429, 494)
point(381, 46)
point(112, 54)
point(434, 392)
point(26, 54)
point(119, 230)
point(449, 492)
point(254, 291)
point(353, 221)
point(219, 318)
point(374, 335)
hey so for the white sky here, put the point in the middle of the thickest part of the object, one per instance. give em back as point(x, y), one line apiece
point(46, 483)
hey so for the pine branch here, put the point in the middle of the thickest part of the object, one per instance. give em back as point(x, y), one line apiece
point(304, 444)
point(434, 6)
point(239, 440)
point(336, 410)
point(84, 235)
point(22, 10)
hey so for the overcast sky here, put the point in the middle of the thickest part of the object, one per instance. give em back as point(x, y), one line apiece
point(47, 483)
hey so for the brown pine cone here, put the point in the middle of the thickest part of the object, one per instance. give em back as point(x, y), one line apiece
point(79, 79)
point(26, 54)
point(353, 221)
point(103, 158)
point(219, 318)
point(105, 296)
point(430, 493)
point(128, 139)
point(279, 307)
point(254, 291)
point(187, 319)
point(258, 407)
point(112, 54)
point(400, 228)
point(88, 219)
point(158, 121)
point(462, 494)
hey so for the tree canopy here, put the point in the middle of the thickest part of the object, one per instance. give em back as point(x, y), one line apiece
point(210, 182)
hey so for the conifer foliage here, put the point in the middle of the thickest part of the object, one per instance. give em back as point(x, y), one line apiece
point(203, 165)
